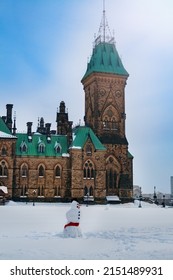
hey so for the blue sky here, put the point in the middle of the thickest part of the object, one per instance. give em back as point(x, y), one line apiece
point(44, 48)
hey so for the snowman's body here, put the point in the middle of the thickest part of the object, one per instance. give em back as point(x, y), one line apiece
point(72, 228)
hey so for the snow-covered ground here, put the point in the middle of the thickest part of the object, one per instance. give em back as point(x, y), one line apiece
point(109, 232)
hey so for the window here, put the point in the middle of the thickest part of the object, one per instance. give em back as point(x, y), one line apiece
point(23, 190)
point(41, 171)
point(57, 171)
point(57, 191)
point(88, 150)
point(40, 190)
point(3, 169)
point(88, 191)
point(41, 148)
point(4, 151)
point(23, 147)
point(57, 148)
point(88, 170)
point(111, 178)
point(24, 170)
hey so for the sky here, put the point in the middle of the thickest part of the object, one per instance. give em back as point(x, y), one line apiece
point(44, 49)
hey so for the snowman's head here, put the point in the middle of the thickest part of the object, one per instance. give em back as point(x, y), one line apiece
point(75, 204)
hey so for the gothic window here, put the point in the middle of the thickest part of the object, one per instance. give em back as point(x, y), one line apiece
point(57, 148)
point(57, 191)
point(41, 171)
point(23, 147)
point(41, 148)
point(40, 190)
point(88, 150)
point(24, 170)
point(4, 151)
point(88, 191)
point(85, 191)
point(23, 190)
point(111, 178)
point(106, 123)
point(57, 171)
point(3, 169)
point(88, 170)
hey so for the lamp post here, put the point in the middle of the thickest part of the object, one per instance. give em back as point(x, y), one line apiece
point(140, 198)
point(87, 199)
point(34, 196)
point(155, 196)
point(26, 197)
point(163, 203)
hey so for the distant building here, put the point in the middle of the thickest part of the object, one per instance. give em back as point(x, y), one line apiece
point(172, 186)
point(84, 162)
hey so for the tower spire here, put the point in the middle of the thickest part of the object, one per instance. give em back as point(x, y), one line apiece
point(104, 20)
point(104, 33)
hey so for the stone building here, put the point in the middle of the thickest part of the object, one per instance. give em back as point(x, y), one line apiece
point(90, 162)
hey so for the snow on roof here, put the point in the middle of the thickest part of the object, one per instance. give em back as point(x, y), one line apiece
point(6, 135)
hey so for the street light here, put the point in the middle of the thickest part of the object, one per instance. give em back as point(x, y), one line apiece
point(87, 199)
point(163, 203)
point(155, 196)
point(140, 198)
point(26, 197)
point(34, 195)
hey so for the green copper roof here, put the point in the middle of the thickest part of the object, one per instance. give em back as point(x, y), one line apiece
point(56, 145)
point(3, 127)
point(81, 135)
point(105, 59)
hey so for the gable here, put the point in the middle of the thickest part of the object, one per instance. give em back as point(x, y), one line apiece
point(81, 135)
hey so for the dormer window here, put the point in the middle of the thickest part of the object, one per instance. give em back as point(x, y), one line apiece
point(41, 148)
point(57, 148)
point(23, 147)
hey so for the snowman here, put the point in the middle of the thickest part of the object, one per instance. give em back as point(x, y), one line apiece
point(72, 228)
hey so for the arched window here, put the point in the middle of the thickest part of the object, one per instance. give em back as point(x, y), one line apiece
point(88, 170)
point(4, 151)
point(41, 171)
point(41, 148)
point(111, 178)
point(91, 192)
point(85, 191)
point(57, 171)
point(3, 169)
point(57, 191)
point(57, 148)
point(23, 147)
point(24, 170)
point(40, 190)
point(88, 150)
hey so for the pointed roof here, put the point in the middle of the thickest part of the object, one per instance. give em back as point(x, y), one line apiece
point(105, 58)
point(4, 131)
point(81, 135)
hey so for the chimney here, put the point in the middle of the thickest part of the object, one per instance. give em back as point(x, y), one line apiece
point(48, 125)
point(29, 131)
point(9, 122)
